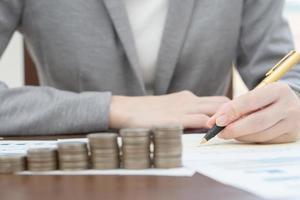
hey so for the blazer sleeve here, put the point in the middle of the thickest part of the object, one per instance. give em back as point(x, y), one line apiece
point(43, 110)
point(265, 38)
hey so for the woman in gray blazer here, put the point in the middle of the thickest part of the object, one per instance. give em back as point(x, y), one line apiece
point(126, 63)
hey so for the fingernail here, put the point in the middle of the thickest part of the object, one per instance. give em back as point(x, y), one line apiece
point(222, 120)
point(209, 122)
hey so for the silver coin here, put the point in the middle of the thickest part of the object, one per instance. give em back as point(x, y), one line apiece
point(71, 168)
point(168, 149)
point(136, 155)
point(73, 158)
point(102, 136)
point(104, 145)
point(71, 165)
point(135, 148)
point(104, 151)
point(42, 166)
point(172, 140)
point(12, 158)
point(158, 154)
point(12, 168)
point(62, 157)
point(134, 132)
point(41, 151)
point(136, 164)
point(71, 146)
point(104, 160)
point(39, 169)
point(136, 141)
point(104, 155)
point(38, 160)
point(37, 156)
point(159, 135)
point(102, 165)
point(168, 163)
point(169, 127)
point(12, 163)
point(125, 152)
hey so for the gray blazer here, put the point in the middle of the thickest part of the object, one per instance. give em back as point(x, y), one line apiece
point(84, 51)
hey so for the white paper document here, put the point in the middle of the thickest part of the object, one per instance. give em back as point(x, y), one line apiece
point(21, 146)
point(269, 171)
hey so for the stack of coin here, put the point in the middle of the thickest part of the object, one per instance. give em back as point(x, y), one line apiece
point(104, 150)
point(73, 156)
point(42, 159)
point(12, 163)
point(136, 148)
point(167, 146)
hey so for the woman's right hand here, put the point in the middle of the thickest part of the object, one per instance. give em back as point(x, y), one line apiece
point(178, 108)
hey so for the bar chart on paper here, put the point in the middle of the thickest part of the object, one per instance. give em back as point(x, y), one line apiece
point(269, 171)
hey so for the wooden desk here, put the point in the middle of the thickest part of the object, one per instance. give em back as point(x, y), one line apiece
point(116, 187)
point(198, 187)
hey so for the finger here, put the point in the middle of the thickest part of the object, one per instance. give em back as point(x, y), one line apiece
point(285, 138)
point(206, 108)
point(214, 99)
point(250, 102)
point(211, 121)
point(213, 116)
point(266, 135)
point(254, 123)
point(195, 121)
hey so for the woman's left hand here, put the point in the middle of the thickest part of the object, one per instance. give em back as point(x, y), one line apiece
point(270, 114)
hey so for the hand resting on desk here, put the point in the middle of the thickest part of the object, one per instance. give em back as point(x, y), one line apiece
point(178, 108)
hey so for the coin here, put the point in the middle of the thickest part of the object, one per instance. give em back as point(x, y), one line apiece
point(102, 136)
point(167, 146)
point(72, 146)
point(135, 132)
point(168, 163)
point(42, 166)
point(136, 164)
point(42, 159)
point(158, 154)
point(169, 141)
point(101, 165)
point(73, 158)
point(73, 155)
point(136, 140)
point(105, 159)
point(73, 166)
point(170, 127)
point(136, 148)
point(104, 150)
point(12, 163)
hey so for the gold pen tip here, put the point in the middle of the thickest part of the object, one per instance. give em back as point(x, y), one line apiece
point(203, 141)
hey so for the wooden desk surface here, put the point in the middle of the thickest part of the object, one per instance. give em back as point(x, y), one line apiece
point(116, 187)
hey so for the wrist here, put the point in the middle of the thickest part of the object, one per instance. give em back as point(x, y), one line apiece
point(117, 114)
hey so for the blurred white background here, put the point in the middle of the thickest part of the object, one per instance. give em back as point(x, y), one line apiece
point(11, 62)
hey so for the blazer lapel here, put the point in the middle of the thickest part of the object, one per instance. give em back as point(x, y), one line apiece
point(118, 14)
point(177, 23)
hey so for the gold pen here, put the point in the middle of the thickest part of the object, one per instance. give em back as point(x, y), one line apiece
point(273, 75)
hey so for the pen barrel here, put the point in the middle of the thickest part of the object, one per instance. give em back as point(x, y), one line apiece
point(281, 70)
point(213, 132)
